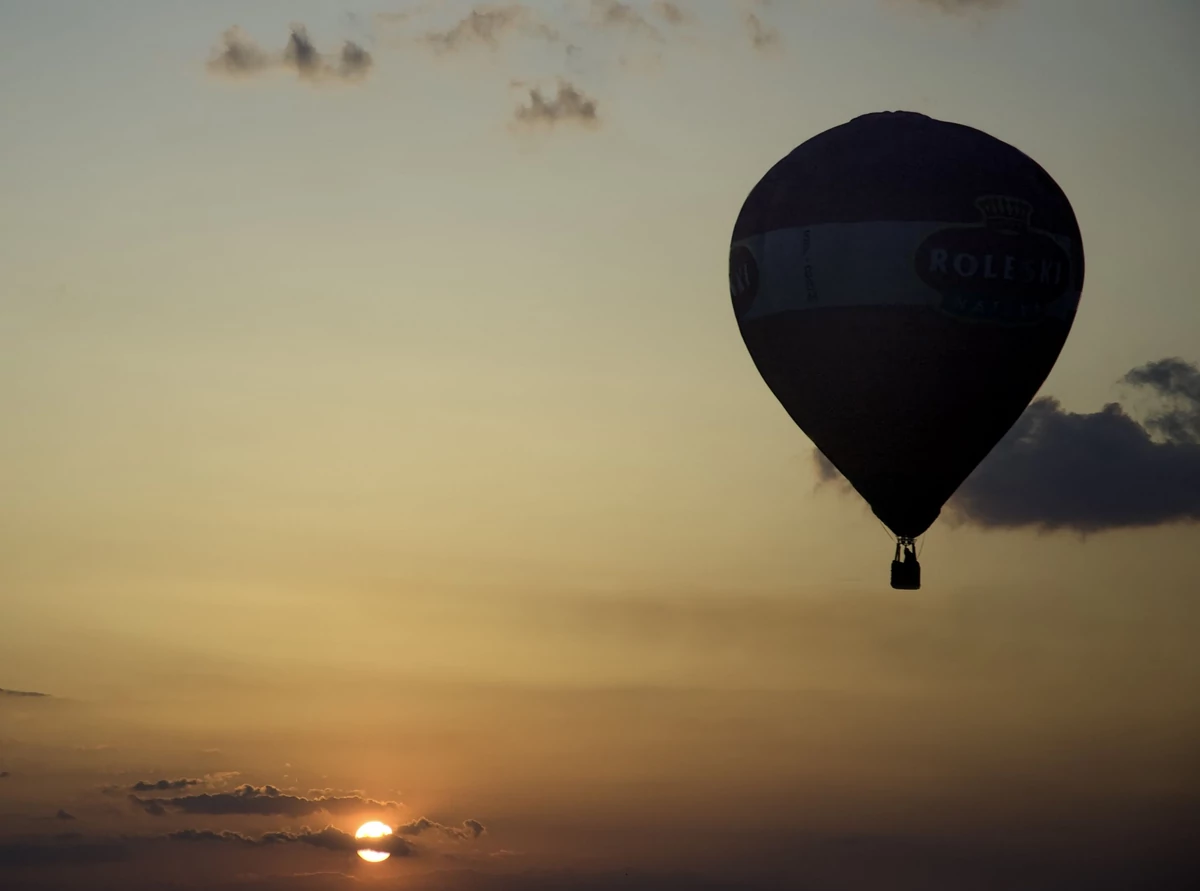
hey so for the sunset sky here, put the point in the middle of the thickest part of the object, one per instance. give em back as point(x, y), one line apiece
point(379, 444)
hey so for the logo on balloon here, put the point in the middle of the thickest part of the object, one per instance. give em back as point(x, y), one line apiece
point(1001, 270)
point(743, 279)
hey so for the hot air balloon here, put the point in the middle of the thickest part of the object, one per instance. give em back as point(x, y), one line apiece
point(904, 286)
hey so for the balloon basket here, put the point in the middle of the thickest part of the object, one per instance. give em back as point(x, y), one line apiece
point(906, 571)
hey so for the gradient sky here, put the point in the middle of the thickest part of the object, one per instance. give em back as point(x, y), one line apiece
point(363, 436)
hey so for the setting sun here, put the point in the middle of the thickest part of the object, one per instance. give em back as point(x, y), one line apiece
point(374, 829)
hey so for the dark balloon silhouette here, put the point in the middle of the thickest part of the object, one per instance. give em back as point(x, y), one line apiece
point(904, 286)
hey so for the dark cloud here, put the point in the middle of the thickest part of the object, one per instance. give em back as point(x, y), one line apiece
point(27, 693)
point(4, 774)
point(469, 829)
point(63, 850)
point(568, 104)
point(329, 839)
point(487, 24)
point(150, 806)
point(73, 849)
point(240, 56)
point(259, 801)
point(1092, 472)
point(63, 815)
point(300, 53)
point(1178, 384)
point(164, 785)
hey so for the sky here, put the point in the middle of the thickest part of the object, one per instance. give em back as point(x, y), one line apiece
point(379, 444)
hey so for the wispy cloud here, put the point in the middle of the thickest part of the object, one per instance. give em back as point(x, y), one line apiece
point(218, 778)
point(671, 13)
point(164, 785)
point(490, 25)
point(763, 36)
point(469, 829)
point(486, 25)
point(614, 13)
point(240, 56)
point(568, 104)
point(259, 801)
point(24, 693)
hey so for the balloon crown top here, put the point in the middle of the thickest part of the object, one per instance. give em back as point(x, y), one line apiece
point(1005, 212)
point(898, 113)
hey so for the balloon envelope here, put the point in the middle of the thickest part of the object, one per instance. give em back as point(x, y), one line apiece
point(904, 286)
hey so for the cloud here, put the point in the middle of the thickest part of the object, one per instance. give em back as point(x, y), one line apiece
point(470, 828)
point(4, 774)
point(300, 53)
point(150, 806)
point(73, 849)
point(762, 36)
point(63, 850)
point(240, 56)
point(164, 785)
point(1178, 382)
point(614, 13)
point(258, 801)
point(486, 24)
point(63, 815)
point(354, 62)
point(303, 57)
point(212, 779)
point(329, 839)
point(671, 13)
point(25, 693)
point(568, 104)
point(1092, 472)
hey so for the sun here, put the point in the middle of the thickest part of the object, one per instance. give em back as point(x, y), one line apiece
point(374, 829)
